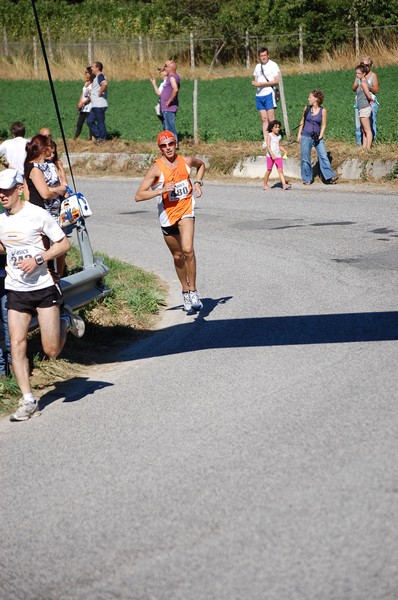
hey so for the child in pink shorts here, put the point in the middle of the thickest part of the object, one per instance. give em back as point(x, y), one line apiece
point(274, 155)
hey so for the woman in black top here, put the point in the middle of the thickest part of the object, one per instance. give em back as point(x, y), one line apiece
point(36, 189)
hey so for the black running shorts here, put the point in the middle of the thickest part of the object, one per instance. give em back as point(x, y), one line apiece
point(29, 302)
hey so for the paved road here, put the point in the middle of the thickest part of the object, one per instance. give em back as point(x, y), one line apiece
point(248, 453)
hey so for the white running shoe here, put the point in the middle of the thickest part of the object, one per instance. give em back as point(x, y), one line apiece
point(77, 326)
point(195, 300)
point(25, 411)
point(187, 301)
point(264, 145)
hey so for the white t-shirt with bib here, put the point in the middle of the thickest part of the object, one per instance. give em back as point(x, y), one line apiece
point(22, 237)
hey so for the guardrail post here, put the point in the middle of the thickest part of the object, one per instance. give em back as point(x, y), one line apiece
point(86, 250)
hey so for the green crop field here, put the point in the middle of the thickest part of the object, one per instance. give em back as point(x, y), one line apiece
point(226, 109)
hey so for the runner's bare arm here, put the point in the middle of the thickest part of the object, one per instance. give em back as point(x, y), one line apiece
point(145, 192)
point(28, 265)
point(199, 165)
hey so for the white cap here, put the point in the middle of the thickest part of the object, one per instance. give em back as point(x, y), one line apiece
point(9, 178)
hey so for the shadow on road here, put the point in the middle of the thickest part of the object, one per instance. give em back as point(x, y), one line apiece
point(72, 390)
point(201, 334)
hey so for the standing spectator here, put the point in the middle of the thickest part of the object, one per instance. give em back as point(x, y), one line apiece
point(158, 91)
point(364, 103)
point(54, 178)
point(30, 286)
point(274, 155)
point(14, 150)
point(84, 104)
point(99, 104)
point(373, 84)
point(310, 135)
point(58, 164)
point(168, 180)
point(37, 191)
point(266, 77)
point(169, 98)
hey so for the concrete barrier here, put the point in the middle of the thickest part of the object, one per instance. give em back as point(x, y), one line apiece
point(252, 167)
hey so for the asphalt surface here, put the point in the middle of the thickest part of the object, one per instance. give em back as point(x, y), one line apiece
point(246, 453)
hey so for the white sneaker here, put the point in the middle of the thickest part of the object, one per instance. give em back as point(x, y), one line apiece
point(195, 300)
point(25, 411)
point(77, 326)
point(264, 145)
point(187, 301)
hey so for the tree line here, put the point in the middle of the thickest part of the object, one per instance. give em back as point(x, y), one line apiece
point(326, 24)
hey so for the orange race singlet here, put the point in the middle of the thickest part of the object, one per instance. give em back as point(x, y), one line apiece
point(178, 204)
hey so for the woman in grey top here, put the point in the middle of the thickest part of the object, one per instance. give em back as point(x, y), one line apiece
point(364, 104)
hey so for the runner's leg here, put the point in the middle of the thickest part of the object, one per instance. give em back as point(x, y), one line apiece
point(52, 330)
point(18, 326)
point(173, 242)
point(187, 231)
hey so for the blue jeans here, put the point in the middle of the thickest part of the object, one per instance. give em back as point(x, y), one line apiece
point(373, 125)
point(96, 123)
point(306, 145)
point(169, 120)
point(5, 354)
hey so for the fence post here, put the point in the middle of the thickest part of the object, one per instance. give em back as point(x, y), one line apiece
point(301, 53)
point(247, 49)
point(192, 51)
point(195, 112)
point(140, 50)
point(35, 65)
point(283, 104)
point(149, 49)
point(356, 40)
point(5, 41)
point(49, 45)
point(89, 51)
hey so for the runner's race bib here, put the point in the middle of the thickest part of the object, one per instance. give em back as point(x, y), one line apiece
point(182, 190)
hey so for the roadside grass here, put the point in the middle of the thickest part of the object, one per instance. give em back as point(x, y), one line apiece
point(126, 315)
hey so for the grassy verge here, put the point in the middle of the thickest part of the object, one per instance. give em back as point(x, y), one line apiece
point(126, 315)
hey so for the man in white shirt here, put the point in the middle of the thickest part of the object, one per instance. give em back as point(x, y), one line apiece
point(31, 289)
point(14, 150)
point(266, 76)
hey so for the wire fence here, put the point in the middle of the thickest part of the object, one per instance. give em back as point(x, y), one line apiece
point(192, 51)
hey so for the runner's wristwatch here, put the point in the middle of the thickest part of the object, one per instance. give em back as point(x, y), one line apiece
point(39, 259)
point(199, 181)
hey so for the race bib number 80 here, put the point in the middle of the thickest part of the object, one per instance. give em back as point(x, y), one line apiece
point(182, 190)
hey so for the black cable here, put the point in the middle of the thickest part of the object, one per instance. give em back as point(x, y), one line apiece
point(50, 80)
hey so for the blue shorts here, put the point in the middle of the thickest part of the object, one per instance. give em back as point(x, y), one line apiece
point(265, 102)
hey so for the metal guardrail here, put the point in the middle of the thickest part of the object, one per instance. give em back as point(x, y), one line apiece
point(88, 284)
